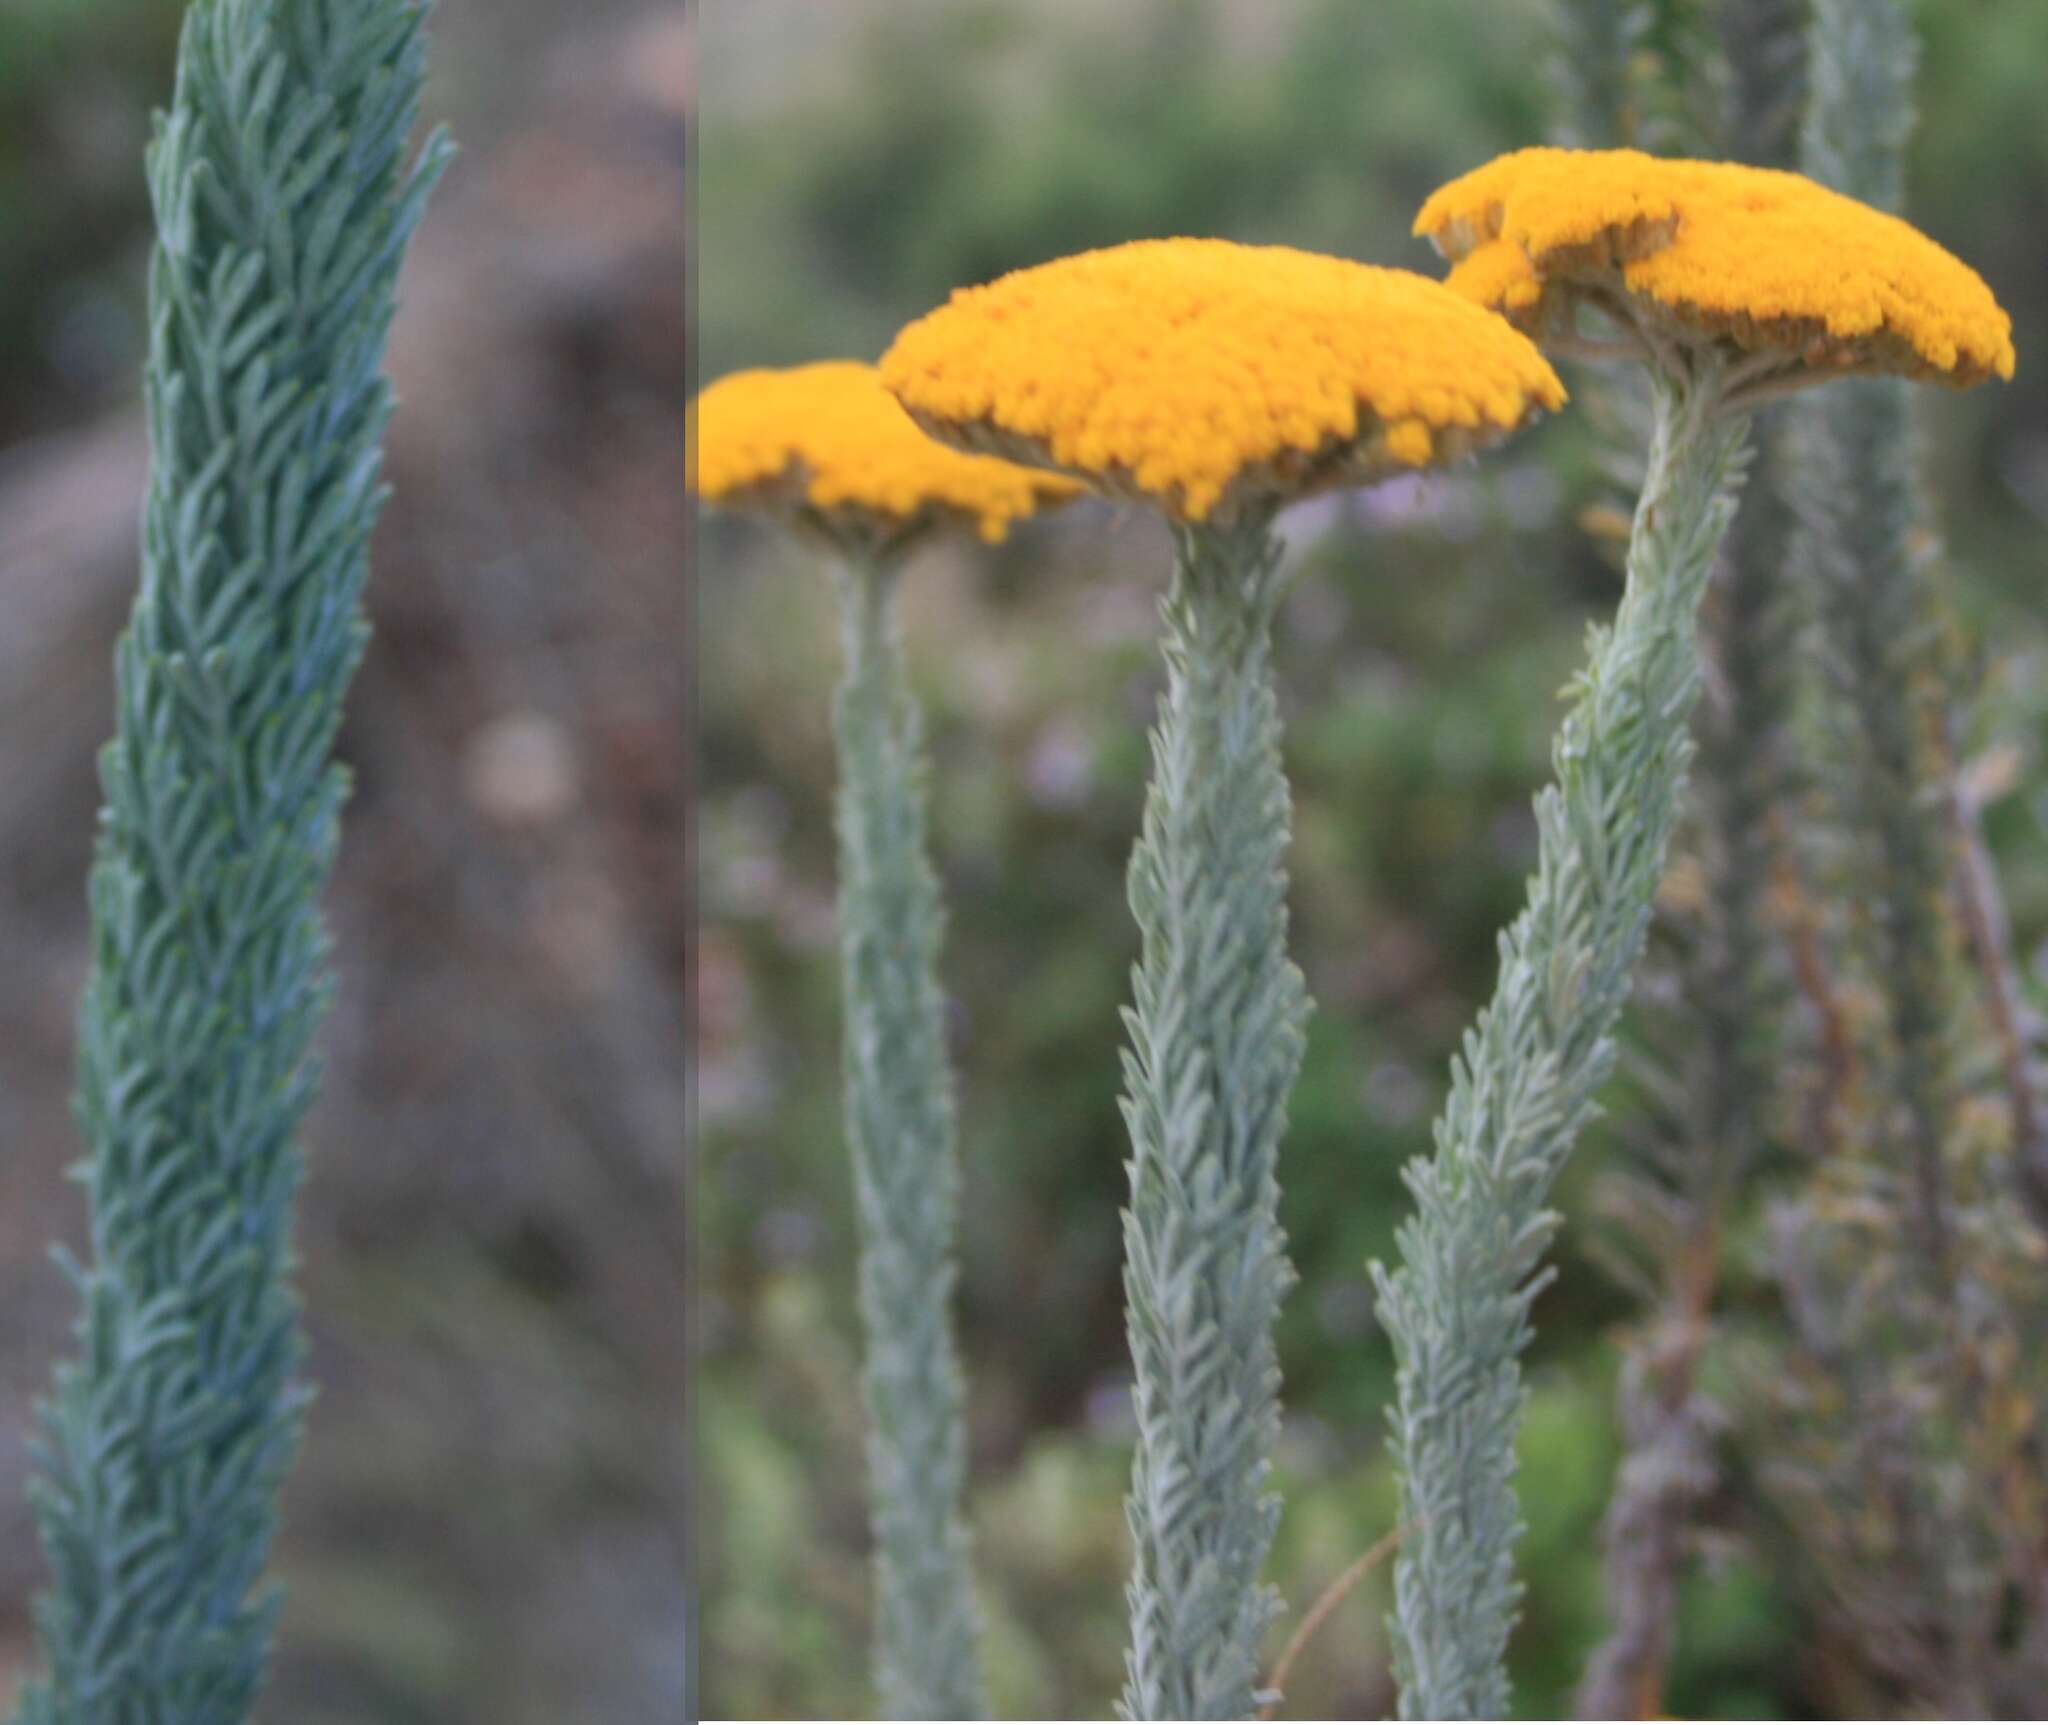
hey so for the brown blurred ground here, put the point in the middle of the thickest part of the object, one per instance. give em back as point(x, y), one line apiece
point(486, 1521)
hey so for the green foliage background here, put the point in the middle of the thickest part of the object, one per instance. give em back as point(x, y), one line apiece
point(852, 171)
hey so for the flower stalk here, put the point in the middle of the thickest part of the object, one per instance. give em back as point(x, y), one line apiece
point(827, 453)
point(1857, 490)
point(900, 1130)
point(283, 204)
point(1216, 383)
point(1216, 1036)
point(1716, 1046)
point(1458, 1307)
point(1909, 1267)
point(1718, 1054)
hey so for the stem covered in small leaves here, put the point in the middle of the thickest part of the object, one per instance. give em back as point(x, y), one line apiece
point(1857, 488)
point(900, 1129)
point(283, 203)
point(1522, 1088)
point(1216, 1030)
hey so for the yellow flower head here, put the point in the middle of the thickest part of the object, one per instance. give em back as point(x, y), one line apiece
point(1766, 261)
point(1204, 376)
point(827, 447)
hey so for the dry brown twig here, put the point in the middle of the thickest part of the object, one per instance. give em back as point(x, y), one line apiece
point(1987, 931)
point(1328, 1601)
point(1799, 922)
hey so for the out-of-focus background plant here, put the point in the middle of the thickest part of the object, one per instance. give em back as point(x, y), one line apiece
point(486, 1523)
point(856, 163)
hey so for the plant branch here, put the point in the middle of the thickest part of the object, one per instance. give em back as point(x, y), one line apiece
point(1988, 930)
point(283, 204)
point(1326, 1602)
point(900, 1132)
point(1215, 1030)
point(1522, 1086)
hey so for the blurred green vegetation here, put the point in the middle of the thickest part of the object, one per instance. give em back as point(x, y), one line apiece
point(851, 172)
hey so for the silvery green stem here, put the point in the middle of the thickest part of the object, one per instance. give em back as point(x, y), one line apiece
point(899, 1125)
point(1522, 1088)
point(1719, 1047)
point(1215, 1032)
point(1856, 487)
point(1862, 58)
point(1866, 555)
point(283, 203)
point(1635, 74)
point(1764, 42)
point(1592, 50)
point(1719, 1051)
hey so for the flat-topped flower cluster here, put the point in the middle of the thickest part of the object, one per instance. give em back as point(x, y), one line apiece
point(829, 440)
point(1763, 258)
point(1198, 373)
point(1215, 382)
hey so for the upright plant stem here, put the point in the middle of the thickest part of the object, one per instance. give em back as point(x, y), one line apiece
point(1216, 1030)
point(1856, 497)
point(1721, 1050)
point(1521, 1090)
point(1857, 489)
point(283, 205)
point(899, 1121)
point(1725, 1067)
point(1866, 555)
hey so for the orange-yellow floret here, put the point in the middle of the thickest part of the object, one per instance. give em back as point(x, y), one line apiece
point(1201, 374)
point(832, 437)
point(1752, 255)
point(1498, 274)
